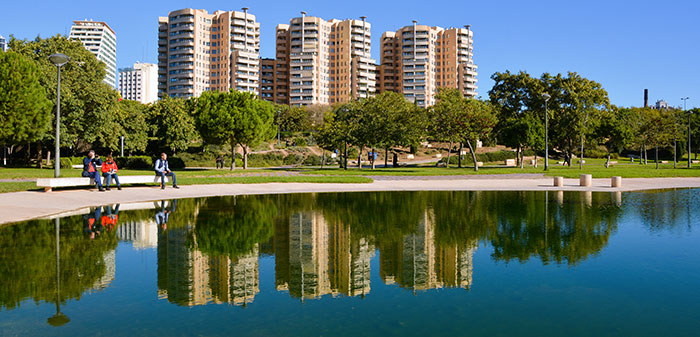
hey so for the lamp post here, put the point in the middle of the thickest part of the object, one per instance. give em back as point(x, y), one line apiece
point(546, 97)
point(58, 60)
point(685, 99)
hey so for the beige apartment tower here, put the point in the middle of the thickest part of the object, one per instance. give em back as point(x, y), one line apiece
point(416, 60)
point(320, 62)
point(199, 52)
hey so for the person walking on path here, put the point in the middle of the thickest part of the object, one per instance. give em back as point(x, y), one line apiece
point(90, 168)
point(163, 170)
point(109, 171)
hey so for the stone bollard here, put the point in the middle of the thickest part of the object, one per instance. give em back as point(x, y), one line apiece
point(616, 181)
point(558, 181)
point(586, 180)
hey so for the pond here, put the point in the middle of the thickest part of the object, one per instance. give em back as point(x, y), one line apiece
point(347, 264)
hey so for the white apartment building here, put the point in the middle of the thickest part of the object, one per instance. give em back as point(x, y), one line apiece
point(3, 43)
point(199, 52)
point(139, 83)
point(99, 39)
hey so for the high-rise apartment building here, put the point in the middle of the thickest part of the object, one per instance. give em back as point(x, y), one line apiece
point(99, 39)
point(139, 83)
point(3, 43)
point(320, 62)
point(416, 60)
point(199, 52)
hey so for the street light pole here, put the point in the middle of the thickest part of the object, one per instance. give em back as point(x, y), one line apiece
point(685, 99)
point(58, 60)
point(546, 131)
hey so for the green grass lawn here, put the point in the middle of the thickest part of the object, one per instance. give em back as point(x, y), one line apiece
point(594, 167)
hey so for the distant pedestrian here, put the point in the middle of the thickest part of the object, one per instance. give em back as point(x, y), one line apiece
point(109, 171)
point(220, 161)
point(90, 164)
point(163, 170)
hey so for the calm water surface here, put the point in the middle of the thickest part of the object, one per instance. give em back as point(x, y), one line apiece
point(406, 263)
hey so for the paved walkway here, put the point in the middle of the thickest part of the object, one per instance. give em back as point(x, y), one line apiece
point(20, 206)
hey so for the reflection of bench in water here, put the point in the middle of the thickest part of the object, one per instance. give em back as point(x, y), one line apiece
point(122, 207)
point(49, 183)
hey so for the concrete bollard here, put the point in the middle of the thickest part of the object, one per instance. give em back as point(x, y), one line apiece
point(586, 180)
point(558, 181)
point(616, 181)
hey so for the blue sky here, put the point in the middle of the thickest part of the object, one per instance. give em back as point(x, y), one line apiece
point(625, 45)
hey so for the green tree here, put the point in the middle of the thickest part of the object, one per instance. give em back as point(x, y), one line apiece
point(517, 99)
point(293, 119)
point(446, 118)
point(477, 121)
point(234, 118)
point(577, 104)
point(87, 103)
point(130, 117)
point(338, 129)
point(25, 111)
point(172, 124)
point(658, 129)
point(616, 130)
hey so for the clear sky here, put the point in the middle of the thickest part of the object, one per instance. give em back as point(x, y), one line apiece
point(625, 45)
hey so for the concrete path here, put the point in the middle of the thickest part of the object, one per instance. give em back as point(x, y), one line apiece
point(20, 206)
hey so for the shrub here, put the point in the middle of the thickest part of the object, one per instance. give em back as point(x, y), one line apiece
point(66, 163)
point(312, 160)
point(176, 163)
point(300, 141)
point(293, 159)
point(135, 162)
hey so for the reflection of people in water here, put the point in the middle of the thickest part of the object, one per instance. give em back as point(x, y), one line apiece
point(163, 214)
point(109, 220)
point(92, 223)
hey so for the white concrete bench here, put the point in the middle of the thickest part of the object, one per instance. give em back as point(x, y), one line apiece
point(49, 183)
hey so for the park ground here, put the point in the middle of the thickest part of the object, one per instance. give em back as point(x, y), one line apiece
point(24, 179)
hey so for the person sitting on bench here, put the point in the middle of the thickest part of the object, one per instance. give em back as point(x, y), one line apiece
point(109, 171)
point(163, 170)
point(90, 168)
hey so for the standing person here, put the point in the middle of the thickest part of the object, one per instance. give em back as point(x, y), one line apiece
point(109, 171)
point(163, 170)
point(90, 168)
point(220, 162)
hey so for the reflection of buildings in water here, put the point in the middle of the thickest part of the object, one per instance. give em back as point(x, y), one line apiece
point(189, 277)
point(236, 280)
point(143, 234)
point(316, 258)
point(110, 271)
point(416, 262)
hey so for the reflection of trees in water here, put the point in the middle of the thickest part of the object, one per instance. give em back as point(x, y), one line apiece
point(669, 210)
point(28, 264)
point(533, 224)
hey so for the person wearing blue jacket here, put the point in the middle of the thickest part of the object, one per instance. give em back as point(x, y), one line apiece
point(90, 168)
point(162, 170)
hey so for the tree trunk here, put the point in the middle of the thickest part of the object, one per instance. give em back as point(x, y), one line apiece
point(522, 158)
point(607, 163)
point(646, 155)
point(641, 155)
point(373, 157)
point(580, 160)
point(233, 156)
point(386, 157)
point(674, 153)
point(449, 149)
point(40, 158)
point(657, 157)
point(323, 158)
point(459, 160)
point(359, 158)
point(48, 158)
point(535, 159)
point(471, 150)
point(345, 157)
point(245, 156)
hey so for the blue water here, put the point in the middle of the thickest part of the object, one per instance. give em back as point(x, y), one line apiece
point(399, 263)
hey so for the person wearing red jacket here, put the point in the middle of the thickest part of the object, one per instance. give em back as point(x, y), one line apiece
point(109, 171)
